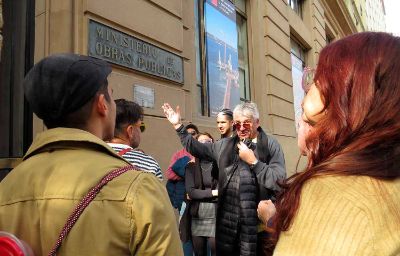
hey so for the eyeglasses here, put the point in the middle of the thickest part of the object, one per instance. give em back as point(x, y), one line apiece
point(142, 127)
point(246, 125)
point(308, 78)
point(305, 119)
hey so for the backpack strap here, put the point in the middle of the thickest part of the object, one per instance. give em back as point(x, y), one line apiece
point(125, 150)
point(85, 202)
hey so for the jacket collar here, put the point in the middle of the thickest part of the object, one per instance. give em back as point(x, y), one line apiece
point(58, 136)
point(262, 149)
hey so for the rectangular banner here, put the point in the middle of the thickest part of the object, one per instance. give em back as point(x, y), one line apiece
point(221, 55)
point(298, 92)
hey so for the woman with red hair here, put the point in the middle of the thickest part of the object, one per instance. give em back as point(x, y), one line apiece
point(347, 200)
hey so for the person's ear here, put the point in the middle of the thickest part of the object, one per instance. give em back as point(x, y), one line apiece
point(313, 105)
point(101, 105)
point(129, 130)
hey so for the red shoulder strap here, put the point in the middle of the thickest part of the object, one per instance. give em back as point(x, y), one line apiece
point(85, 202)
point(125, 150)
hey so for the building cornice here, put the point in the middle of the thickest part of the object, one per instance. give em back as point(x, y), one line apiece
point(339, 14)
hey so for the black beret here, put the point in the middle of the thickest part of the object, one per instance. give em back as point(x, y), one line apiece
point(62, 83)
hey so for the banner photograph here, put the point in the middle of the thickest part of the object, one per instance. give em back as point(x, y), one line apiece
point(222, 55)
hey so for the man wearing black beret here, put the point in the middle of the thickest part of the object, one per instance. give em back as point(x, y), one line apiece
point(70, 93)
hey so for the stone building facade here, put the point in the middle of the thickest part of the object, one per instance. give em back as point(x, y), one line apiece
point(276, 39)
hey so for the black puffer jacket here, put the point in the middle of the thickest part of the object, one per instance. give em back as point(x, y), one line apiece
point(236, 230)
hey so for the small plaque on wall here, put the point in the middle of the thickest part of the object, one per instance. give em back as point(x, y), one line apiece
point(144, 96)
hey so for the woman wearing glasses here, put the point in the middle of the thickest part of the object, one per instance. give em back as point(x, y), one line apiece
point(198, 221)
point(346, 201)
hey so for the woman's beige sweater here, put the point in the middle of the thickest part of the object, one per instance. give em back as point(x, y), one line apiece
point(345, 216)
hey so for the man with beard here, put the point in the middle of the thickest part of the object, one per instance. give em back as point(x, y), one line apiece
point(127, 136)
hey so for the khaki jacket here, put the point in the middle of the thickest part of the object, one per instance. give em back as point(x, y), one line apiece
point(131, 215)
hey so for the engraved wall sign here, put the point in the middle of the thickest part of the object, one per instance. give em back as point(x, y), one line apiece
point(117, 47)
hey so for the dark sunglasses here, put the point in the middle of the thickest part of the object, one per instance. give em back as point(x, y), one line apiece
point(245, 125)
point(142, 127)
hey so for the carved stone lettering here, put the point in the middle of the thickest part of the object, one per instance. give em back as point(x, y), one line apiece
point(117, 47)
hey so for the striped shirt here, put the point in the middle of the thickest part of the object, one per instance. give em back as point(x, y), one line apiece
point(139, 159)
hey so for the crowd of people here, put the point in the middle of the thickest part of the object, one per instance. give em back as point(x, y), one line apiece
point(86, 188)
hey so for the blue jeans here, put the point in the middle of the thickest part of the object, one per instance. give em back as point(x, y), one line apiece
point(187, 248)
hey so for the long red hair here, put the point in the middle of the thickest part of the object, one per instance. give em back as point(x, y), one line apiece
point(359, 134)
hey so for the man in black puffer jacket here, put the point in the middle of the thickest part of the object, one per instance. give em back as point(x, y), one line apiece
point(250, 164)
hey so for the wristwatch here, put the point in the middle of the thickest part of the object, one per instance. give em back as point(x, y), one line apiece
point(252, 165)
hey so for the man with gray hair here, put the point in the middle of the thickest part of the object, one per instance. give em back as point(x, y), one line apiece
point(260, 151)
point(250, 164)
